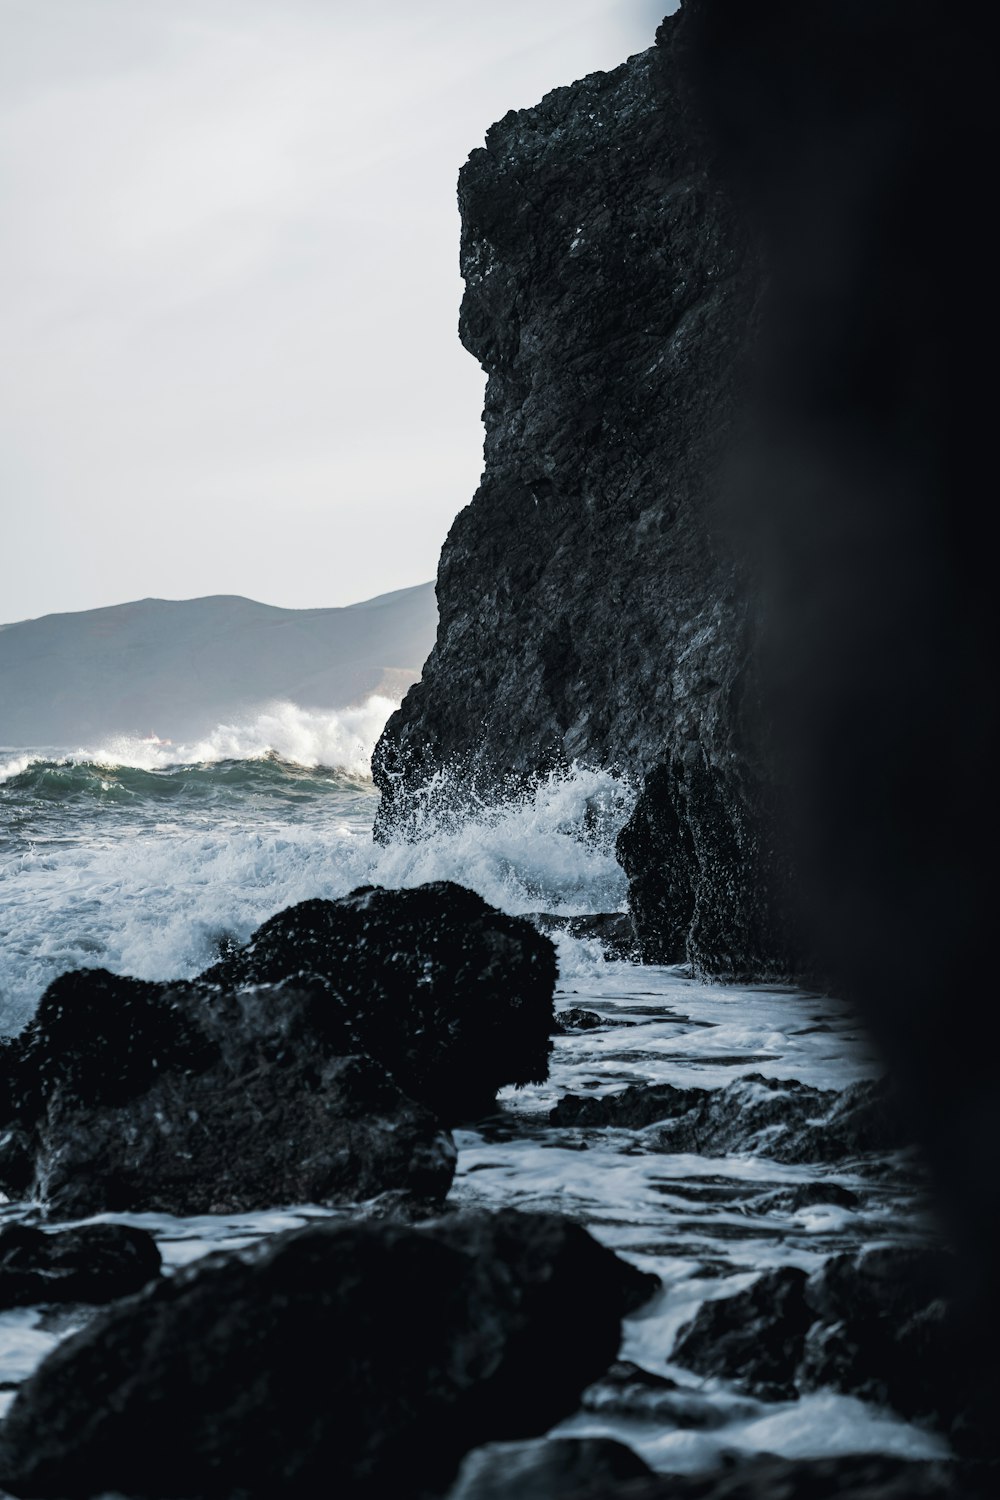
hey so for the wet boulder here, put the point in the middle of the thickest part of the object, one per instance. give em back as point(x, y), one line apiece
point(91, 1263)
point(453, 997)
point(881, 1325)
point(352, 1358)
point(184, 1098)
point(756, 1337)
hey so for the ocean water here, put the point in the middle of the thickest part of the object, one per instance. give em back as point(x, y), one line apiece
point(142, 857)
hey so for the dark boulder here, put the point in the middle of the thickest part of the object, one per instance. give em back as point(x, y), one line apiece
point(453, 997)
point(358, 1359)
point(93, 1263)
point(756, 1338)
point(190, 1099)
point(550, 1469)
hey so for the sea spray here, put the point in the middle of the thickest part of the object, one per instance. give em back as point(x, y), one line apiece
point(143, 857)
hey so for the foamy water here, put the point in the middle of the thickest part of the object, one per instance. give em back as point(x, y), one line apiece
point(140, 857)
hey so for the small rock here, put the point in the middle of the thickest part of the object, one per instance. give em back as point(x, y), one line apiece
point(92, 1263)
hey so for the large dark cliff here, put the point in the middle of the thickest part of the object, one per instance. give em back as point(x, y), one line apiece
point(590, 610)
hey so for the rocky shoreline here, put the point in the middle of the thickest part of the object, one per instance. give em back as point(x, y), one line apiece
point(553, 1221)
point(281, 1367)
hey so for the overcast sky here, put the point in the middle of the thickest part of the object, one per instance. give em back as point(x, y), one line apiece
point(229, 285)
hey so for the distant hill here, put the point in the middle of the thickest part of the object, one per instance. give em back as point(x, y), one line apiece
point(177, 668)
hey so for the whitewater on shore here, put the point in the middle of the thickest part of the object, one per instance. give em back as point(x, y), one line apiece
point(143, 858)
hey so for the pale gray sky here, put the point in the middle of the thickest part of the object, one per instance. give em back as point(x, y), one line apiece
point(229, 285)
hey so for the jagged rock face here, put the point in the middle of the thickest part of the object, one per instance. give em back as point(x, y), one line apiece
point(589, 607)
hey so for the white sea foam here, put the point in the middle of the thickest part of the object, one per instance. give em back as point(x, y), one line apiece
point(341, 739)
point(147, 885)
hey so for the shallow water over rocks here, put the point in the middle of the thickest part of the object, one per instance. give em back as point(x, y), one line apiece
point(707, 1225)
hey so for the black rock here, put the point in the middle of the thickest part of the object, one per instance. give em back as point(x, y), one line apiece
point(552, 1469)
point(355, 1359)
point(577, 1019)
point(627, 1390)
point(634, 1108)
point(784, 1119)
point(613, 930)
point(93, 1263)
point(806, 1195)
point(590, 608)
point(880, 1325)
point(886, 1331)
point(453, 997)
point(756, 1338)
point(190, 1099)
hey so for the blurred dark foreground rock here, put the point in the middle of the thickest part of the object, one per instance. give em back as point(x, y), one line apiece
point(315, 1065)
point(92, 1263)
point(352, 1359)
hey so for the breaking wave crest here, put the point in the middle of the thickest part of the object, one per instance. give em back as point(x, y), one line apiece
point(147, 877)
point(340, 740)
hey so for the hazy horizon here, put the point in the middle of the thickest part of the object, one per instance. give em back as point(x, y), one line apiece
point(229, 275)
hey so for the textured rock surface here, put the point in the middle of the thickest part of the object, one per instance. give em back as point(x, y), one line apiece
point(879, 1325)
point(189, 1099)
point(780, 1118)
point(355, 1359)
point(93, 1263)
point(589, 608)
point(451, 995)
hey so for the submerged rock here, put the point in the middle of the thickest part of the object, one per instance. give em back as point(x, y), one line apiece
point(879, 1325)
point(453, 997)
point(612, 929)
point(356, 1359)
point(93, 1263)
point(552, 1469)
point(182, 1098)
point(756, 1337)
point(578, 1019)
point(784, 1119)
